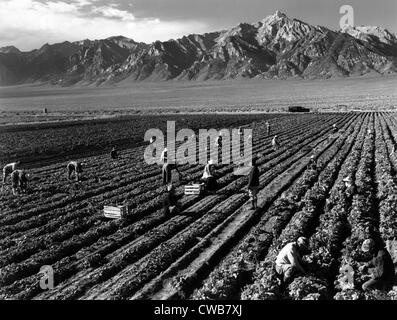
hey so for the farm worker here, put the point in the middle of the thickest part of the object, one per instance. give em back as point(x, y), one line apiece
point(381, 267)
point(253, 184)
point(76, 168)
point(267, 126)
point(18, 179)
point(167, 168)
point(209, 177)
point(170, 203)
point(349, 187)
point(275, 144)
point(312, 163)
point(289, 260)
point(113, 153)
point(218, 140)
point(8, 169)
point(334, 128)
point(240, 131)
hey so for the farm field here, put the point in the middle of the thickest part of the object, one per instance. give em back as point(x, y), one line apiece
point(25, 103)
point(42, 143)
point(217, 247)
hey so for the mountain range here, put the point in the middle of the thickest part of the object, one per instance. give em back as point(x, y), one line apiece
point(277, 47)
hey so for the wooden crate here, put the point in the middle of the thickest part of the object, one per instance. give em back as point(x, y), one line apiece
point(194, 188)
point(115, 212)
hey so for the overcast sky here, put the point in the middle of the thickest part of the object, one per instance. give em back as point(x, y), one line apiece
point(28, 24)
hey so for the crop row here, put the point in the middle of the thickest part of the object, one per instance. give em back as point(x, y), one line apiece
point(236, 269)
point(265, 284)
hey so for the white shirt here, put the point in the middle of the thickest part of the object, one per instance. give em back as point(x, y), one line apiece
point(163, 157)
point(207, 172)
point(10, 167)
point(288, 255)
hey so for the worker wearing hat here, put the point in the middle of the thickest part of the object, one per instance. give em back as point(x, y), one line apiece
point(209, 176)
point(312, 163)
point(349, 187)
point(289, 260)
point(381, 267)
point(167, 168)
point(275, 143)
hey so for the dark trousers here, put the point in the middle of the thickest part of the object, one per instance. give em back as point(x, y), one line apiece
point(379, 284)
point(166, 173)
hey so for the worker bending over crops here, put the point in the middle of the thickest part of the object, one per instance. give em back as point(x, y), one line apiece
point(170, 203)
point(8, 169)
point(275, 143)
point(312, 163)
point(380, 266)
point(289, 261)
point(334, 128)
point(113, 153)
point(349, 188)
point(253, 184)
point(18, 180)
point(167, 168)
point(209, 177)
point(76, 168)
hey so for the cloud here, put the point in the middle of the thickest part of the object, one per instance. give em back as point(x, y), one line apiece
point(111, 12)
point(28, 24)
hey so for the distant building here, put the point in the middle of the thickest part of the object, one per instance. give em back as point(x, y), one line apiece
point(298, 109)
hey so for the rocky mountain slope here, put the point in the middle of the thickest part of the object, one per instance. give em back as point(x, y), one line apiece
point(276, 47)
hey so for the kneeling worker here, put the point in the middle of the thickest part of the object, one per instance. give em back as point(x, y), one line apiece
point(76, 168)
point(381, 267)
point(289, 260)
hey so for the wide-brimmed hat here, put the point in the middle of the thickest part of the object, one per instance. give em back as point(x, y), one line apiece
point(170, 187)
point(347, 179)
point(303, 242)
point(312, 156)
point(367, 245)
point(211, 162)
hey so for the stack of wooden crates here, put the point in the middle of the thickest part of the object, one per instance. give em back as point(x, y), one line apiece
point(194, 189)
